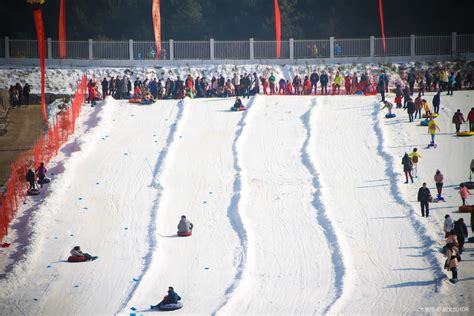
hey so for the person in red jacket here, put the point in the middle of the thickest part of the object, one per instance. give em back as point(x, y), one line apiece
point(470, 118)
point(190, 83)
point(348, 84)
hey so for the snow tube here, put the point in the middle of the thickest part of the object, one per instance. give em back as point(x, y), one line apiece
point(184, 234)
point(44, 181)
point(466, 209)
point(469, 185)
point(427, 116)
point(76, 259)
point(358, 92)
point(242, 108)
point(464, 134)
point(170, 307)
point(33, 192)
point(390, 115)
point(424, 123)
point(135, 100)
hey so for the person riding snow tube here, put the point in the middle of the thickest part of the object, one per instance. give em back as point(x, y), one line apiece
point(238, 106)
point(170, 302)
point(185, 227)
point(78, 256)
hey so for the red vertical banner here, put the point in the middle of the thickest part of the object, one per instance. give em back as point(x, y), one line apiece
point(62, 29)
point(38, 16)
point(277, 29)
point(157, 27)
point(382, 24)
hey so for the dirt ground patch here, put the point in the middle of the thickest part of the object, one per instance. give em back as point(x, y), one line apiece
point(24, 125)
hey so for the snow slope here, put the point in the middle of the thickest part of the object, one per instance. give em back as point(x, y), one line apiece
point(298, 203)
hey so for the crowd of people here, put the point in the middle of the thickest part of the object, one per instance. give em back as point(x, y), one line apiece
point(19, 95)
point(243, 85)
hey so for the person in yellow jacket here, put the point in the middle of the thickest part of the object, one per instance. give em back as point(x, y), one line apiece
point(338, 80)
point(432, 129)
point(415, 158)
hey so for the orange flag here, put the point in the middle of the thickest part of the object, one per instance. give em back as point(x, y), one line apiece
point(38, 16)
point(157, 27)
point(62, 29)
point(277, 29)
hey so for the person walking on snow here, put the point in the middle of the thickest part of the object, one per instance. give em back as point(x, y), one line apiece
point(41, 173)
point(432, 129)
point(314, 78)
point(407, 167)
point(460, 229)
point(452, 262)
point(424, 197)
point(464, 193)
point(438, 178)
point(418, 106)
point(410, 109)
point(448, 225)
point(381, 85)
point(470, 118)
point(31, 179)
point(458, 119)
point(415, 158)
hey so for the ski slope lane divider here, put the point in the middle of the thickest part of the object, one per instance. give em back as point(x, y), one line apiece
point(426, 240)
point(233, 210)
point(322, 217)
point(157, 172)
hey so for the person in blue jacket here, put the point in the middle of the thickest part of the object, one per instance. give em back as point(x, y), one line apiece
point(451, 82)
point(324, 82)
point(381, 84)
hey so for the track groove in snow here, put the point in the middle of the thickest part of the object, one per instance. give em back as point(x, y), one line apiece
point(322, 217)
point(233, 209)
point(157, 172)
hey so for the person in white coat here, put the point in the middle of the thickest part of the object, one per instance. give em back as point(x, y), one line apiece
point(184, 225)
point(448, 225)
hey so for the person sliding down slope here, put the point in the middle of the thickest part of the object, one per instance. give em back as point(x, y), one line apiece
point(77, 253)
point(170, 301)
point(238, 106)
point(185, 227)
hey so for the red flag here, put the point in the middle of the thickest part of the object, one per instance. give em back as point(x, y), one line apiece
point(62, 29)
point(157, 27)
point(383, 26)
point(38, 16)
point(277, 29)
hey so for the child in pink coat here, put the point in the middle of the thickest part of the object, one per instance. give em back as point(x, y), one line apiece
point(464, 192)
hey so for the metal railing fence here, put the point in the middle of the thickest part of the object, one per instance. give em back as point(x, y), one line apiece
point(23, 49)
point(331, 48)
point(312, 49)
point(232, 50)
point(267, 50)
point(74, 49)
point(147, 50)
point(352, 47)
point(396, 46)
point(192, 50)
point(433, 45)
point(465, 43)
point(110, 50)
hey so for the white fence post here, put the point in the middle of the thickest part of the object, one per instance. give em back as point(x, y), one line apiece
point(292, 49)
point(130, 49)
point(7, 48)
point(372, 47)
point(91, 51)
point(171, 49)
point(454, 38)
point(50, 49)
point(211, 53)
point(252, 52)
point(412, 46)
point(331, 47)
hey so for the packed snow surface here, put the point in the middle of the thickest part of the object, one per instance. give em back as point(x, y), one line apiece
point(298, 203)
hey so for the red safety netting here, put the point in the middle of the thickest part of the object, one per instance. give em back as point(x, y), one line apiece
point(46, 147)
